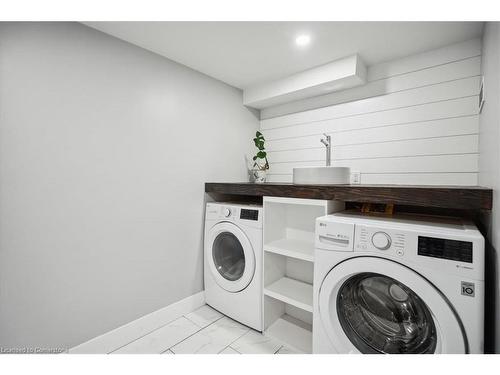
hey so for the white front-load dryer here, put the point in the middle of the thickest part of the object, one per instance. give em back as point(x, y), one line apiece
point(233, 261)
point(397, 285)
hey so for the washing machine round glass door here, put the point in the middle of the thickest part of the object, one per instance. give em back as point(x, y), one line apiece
point(230, 256)
point(375, 305)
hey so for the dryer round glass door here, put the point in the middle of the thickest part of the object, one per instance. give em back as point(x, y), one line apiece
point(231, 257)
point(228, 256)
point(375, 305)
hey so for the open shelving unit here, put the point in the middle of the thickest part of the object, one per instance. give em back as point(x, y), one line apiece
point(289, 225)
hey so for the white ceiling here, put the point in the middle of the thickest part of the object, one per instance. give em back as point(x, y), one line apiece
point(244, 54)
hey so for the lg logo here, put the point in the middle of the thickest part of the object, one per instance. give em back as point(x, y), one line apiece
point(467, 289)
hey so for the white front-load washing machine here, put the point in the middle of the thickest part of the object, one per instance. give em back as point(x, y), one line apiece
point(233, 261)
point(403, 284)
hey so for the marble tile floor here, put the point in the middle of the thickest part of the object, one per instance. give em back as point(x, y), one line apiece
point(204, 331)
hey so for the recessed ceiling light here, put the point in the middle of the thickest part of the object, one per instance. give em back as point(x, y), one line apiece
point(303, 40)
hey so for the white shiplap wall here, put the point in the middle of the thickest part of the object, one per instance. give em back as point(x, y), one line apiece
point(414, 122)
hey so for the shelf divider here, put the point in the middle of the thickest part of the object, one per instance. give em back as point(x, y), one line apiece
point(293, 248)
point(292, 292)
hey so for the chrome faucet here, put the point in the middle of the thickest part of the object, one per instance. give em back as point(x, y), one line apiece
point(328, 143)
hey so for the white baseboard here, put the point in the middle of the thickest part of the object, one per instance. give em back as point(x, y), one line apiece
point(121, 336)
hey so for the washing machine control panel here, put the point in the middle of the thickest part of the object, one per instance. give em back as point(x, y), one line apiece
point(375, 239)
point(356, 237)
point(444, 244)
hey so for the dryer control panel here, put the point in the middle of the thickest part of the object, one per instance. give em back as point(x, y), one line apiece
point(241, 214)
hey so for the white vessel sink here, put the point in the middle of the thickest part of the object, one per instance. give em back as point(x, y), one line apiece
point(321, 175)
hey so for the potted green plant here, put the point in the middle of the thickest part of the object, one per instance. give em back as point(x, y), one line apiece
point(260, 165)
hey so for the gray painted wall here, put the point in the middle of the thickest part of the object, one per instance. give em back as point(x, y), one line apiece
point(104, 149)
point(489, 169)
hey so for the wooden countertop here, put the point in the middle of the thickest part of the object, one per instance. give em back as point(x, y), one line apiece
point(456, 197)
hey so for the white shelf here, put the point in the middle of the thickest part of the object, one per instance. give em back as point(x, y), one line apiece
point(299, 249)
point(292, 332)
point(296, 201)
point(292, 292)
